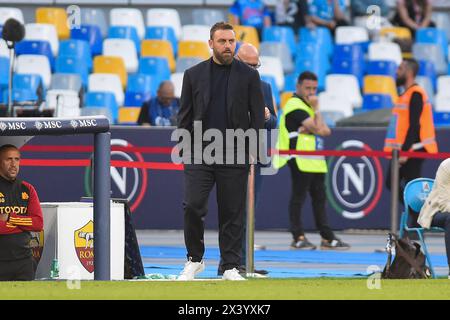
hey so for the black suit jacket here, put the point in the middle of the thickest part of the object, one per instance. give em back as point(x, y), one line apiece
point(245, 103)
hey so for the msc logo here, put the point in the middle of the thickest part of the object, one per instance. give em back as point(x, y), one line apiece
point(354, 185)
point(126, 183)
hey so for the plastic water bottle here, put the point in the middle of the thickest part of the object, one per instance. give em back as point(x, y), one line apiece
point(54, 270)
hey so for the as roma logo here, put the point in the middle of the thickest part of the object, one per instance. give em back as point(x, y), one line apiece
point(37, 245)
point(84, 245)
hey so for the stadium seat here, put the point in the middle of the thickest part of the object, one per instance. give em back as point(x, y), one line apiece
point(426, 69)
point(123, 48)
point(76, 49)
point(442, 21)
point(442, 102)
point(35, 64)
point(319, 35)
point(433, 36)
point(426, 83)
point(125, 32)
point(281, 34)
point(163, 33)
point(290, 81)
point(27, 87)
point(92, 35)
point(7, 12)
point(380, 85)
point(55, 16)
point(396, 32)
point(135, 99)
point(247, 34)
point(159, 48)
point(4, 51)
point(114, 65)
point(102, 99)
point(193, 32)
point(43, 32)
point(177, 80)
point(414, 196)
point(95, 17)
point(106, 82)
point(284, 97)
point(346, 85)
point(22, 97)
point(155, 66)
point(376, 101)
point(352, 67)
point(443, 84)
point(270, 79)
point(382, 68)
point(353, 52)
point(165, 17)
point(433, 53)
point(65, 103)
point(278, 50)
point(131, 17)
point(143, 83)
point(4, 70)
point(207, 16)
point(36, 47)
point(128, 115)
point(441, 119)
point(332, 101)
point(387, 51)
point(64, 81)
point(351, 35)
point(72, 65)
point(272, 66)
point(184, 63)
point(312, 65)
point(194, 49)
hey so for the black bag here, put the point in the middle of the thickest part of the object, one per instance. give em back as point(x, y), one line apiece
point(409, 261)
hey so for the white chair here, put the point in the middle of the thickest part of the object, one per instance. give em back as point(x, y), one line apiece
point(4, 51)
point(425, 83)
point(207, 16)
point(35, 64)
point(345, 85)
point(442, 102)
point(6, 13)
point(272, 66)
point(349, 35)
point(107, 82)
point(383, 50)
point(66, 103)
point(165, 17)
point(195, 32)
point(43, 32)
point(177, 80)
point(279, 50)
point(96, 17)
point(433, 53)
point(329, 101)
point(443, 84)
point(123, 48)
point(128, 17)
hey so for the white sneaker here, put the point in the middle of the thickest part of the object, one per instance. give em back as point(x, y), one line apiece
point(233, 275)
point(191, 269)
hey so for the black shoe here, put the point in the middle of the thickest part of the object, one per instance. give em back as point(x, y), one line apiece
point(242, 271)
point(335, 244)
point(303, 245)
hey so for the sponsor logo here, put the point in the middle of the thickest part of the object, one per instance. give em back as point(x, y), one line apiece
point(84, 245)
point(13, 210)
point(85, 123)
point(74, 124)
point(16, 125)
point(37, 245)
point(354, 185)
point(3, 126)
point(25, 196)
point(38, 125)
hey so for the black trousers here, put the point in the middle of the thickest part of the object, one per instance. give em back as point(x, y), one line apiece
point(302, 183)
point(17, 270)
point(410, 170)
point(231, 185)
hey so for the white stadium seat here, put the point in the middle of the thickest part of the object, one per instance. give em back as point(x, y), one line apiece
point(66, 103)
point(335, 102)
point(43, 32)
point(443, 84)
point(272, 66)
point(177, 80)
point(128, 17)
point(6, 13)
point(35, 64)
point(123, 48)
point(442, 103)
point(345, 85)
point(4, 51)
point(195, 32)
point(349, 35)
point(107, 82)
point(433, 53)
point(165, 17)
point(385, 51)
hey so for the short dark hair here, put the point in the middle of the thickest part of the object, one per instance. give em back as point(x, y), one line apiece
point(219, 26)
point(307, 75)
point(5, 147)
point(412, 64)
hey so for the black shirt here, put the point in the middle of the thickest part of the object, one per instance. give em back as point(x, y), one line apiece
point(415, 111)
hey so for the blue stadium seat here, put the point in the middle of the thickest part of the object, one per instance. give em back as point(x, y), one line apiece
point(281, 34)
point(92, 35)
point(102, 99)
point(320, 35)
point(441, 119)
point(353, 67)
point(376, 101)
point(163, 33)
point(75, 48)
point(4, 71)
point(427, 69)
point(27, 81)
point(313, 51)
point(382, 68)
point(348, 52)
point(135, 99)
point(73, 65)
point(276, 93)
point(21, 96)
point(433, 36)
point(155, 66)
point(143, 83)
point(312, 65)
point(36, 47)
point(125, 32)
point(290, 81)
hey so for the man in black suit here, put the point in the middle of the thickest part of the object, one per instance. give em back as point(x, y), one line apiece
point(220, 94)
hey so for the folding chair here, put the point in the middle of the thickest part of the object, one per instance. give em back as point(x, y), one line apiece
point(414, 195)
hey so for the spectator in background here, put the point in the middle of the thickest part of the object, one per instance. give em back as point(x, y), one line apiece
point(414, 14)
point(327, 13)
point(359, 8)
point(292, 13)
point(161, 110)
point(253, 13)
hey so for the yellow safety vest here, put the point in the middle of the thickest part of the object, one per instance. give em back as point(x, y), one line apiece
point(305, 142)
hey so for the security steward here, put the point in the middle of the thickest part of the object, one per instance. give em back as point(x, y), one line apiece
point(302, 128)
point(20, 213)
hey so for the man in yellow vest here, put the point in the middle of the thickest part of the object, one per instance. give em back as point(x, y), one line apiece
point(411, 127)
point(302, 128)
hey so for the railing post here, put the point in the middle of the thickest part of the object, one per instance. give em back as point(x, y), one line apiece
point(394, 190)
point(250, 228)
